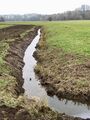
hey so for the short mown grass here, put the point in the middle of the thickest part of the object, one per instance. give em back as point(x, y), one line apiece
point(71, 36)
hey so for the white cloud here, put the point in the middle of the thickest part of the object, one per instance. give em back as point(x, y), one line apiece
point(39, 6)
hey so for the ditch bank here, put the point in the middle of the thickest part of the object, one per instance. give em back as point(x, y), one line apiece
point(33, 87)
point(14, 58)
point(65, 75)
point(25, 109)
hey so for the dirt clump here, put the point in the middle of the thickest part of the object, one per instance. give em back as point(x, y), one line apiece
point(22, 114)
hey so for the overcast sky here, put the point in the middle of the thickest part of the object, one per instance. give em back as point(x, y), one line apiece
point(39, 6)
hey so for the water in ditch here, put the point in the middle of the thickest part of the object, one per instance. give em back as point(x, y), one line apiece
point(33, 88)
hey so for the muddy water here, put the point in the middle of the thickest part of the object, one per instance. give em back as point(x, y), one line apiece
point(33, 88)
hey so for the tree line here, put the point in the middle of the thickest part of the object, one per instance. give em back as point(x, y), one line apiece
point(82, 13)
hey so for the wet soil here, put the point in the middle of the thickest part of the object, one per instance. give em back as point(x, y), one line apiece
point(13, 31)
point(16, 52)
point(20, 113)
point(12, 62)
point(14, 59)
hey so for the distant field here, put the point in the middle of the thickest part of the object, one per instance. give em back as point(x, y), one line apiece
point(3, 25)
point(71, 36)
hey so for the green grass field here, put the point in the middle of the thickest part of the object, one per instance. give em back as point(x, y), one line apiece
point(71, 36)
point(3, 25)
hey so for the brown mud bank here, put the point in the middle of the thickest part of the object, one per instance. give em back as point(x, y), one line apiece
point(13, 42)
point(42, 113)
point(15, 55)
point(65, 75)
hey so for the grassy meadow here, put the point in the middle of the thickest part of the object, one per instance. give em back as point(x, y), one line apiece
point(71, 36)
